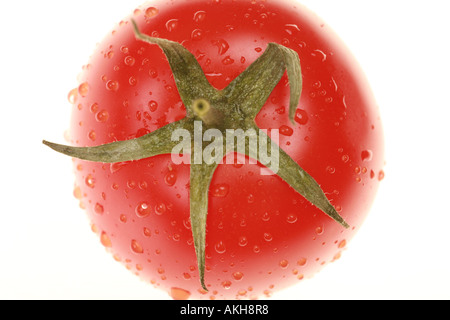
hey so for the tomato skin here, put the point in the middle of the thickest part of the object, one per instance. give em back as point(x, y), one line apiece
point(262, 236)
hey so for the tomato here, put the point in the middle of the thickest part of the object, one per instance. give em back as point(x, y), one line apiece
point(261, 235)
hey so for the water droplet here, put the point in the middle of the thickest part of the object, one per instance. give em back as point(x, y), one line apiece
point(319, 54)
point(342, 244)
point(147, 232)
point(129, 61)
point(83, 89)
point(123, 218)
point(302, 262)
point(286, 131)
point(99, 209)
point(150, 12)
point(143, 209)
point(102, 116)
point(132, 81)
point(345, 158)
point(153, 73)
point(222, 45)
point(170, 178)
point(109, 54)
point(226, 284)
point(227, 60)
point(160, 209)
point(291, 28)
point(171, 25)
point(105, 240)
point(331, 170)
point(77, 193)
point(292, 218)
point(238, 275)
point(220, 190)
point(220, 247)
point(284, 264)
point(197, 34)
point(179, 294)
point(199, 16)
point(380, 175)
point(366, 155)
point(94, 108)
point(243, 241)
point(112, 85)
point(319, 230)
point(73, 95)
point(136, 247)
point(268, 237)
point(90, 181)
point(256, 249)
point(116, 166)
point(301, 117)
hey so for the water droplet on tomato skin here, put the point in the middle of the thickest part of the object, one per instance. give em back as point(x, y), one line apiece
point(129, 61)
point(90, 181)
point(152, 105)
point(143, 209)
point(227, 60)
point(238, 275)
point(301, 117)
point(380, 175)
point(291, 218)
point(73, 95)
point(102, 116)
point(83, 89)
point(197, 34)
point(92, 135)
point(226, 284)
point(319, 54)
point(243, 241)
point(366, 155)
point(112, 85)
point(136, 247)
point(160, 209)
point(151, 12)
point(284, 264)
point(77, 193)
point(220, 190)
point(199, 16)
point(286, 131)
point(179, 294)
point(220, 247)
point(105, 240)
point(301, 262)
point(171, 24)
point(171, 178)
point(319, 230)
point(99, 209)
point(222, 45)
point(268, 237)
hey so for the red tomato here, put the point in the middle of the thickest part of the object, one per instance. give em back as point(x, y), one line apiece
point(262, 236)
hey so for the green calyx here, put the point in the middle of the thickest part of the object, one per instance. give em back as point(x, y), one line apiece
point(218, 112)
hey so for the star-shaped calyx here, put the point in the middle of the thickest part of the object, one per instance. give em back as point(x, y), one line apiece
point(233, 108)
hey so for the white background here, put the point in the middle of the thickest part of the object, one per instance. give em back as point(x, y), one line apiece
point(47, 250)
